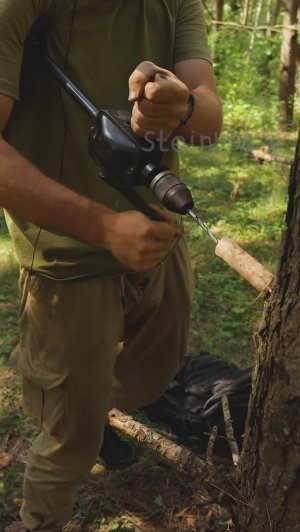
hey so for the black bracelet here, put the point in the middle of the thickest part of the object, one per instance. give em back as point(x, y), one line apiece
point(191, 106)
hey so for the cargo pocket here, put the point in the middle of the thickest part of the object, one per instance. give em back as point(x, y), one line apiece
point(40, 354)
point(47, 408)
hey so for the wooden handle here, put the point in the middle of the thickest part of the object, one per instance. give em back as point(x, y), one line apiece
point(244, 264)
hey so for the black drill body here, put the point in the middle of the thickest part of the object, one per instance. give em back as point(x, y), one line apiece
point(125, 159)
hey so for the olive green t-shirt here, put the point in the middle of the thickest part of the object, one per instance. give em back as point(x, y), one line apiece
point(98, 43)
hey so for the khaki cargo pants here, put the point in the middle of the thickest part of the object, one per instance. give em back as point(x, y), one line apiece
point(74, 370)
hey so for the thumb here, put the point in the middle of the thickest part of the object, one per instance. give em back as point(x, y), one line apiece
point(137, 82)
point(143, 73)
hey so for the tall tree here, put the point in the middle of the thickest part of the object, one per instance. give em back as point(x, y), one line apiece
point(245, 11)
point(288, 60)
point(276, 12)
point(269, 472)
point(218, 11)
point(256, 21)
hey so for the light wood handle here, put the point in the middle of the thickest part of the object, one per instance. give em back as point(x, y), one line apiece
point(244, 264)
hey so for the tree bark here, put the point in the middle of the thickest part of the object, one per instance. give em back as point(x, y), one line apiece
point(276, 12)
point(268, 17)
point(288, 61)
point(245, 11)
point(256, 21)
point(218, 11)
point(214, 479)
point(269, 470)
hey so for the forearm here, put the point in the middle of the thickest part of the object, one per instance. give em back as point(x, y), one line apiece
point(30, 195)
point(204, 126)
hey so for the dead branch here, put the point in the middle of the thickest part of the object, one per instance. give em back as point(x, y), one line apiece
point(278, 28)
point(212, 477)
point(211, 444)
point(261, 155)
point(206, 502)
point(183, 459)
point(229, 431)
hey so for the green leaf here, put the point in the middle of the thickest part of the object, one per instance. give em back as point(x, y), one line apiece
point(116, 525)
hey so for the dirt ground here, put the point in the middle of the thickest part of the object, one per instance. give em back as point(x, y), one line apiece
point(148, 496)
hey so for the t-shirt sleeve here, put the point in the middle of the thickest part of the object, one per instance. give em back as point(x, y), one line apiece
point(191, 35)
point(16, 19)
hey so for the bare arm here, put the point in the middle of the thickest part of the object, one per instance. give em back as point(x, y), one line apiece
point(29, 194)
point(206, 120)
point(25, 191)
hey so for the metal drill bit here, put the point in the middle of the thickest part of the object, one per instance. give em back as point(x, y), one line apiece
point(201, 224)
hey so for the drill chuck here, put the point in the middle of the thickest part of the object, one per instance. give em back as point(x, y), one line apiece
point(171, 192)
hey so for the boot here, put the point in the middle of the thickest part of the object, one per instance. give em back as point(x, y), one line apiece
point(116, 453)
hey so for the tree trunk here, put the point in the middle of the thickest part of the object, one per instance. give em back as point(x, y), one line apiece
point(276, 12)
point(269, 471)
point(256, 22)
point(218, 11)
point(268, 17)
point(288, 61)
point(245, 12)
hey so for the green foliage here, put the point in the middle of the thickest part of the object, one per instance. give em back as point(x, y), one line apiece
point(248, 83)
point(246, 74)
point(236, 196)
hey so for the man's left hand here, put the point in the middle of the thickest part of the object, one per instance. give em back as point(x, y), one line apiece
point(160, 101)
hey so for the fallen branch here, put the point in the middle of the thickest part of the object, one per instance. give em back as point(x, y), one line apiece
point(183, 459)
point(260, 155)
point(229, 431)
point(211, 444)
point(214, 477)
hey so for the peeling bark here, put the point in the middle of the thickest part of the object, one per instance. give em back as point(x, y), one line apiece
point(214, 479)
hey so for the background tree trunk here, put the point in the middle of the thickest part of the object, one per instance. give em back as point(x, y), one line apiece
point(218, 11)
point(245, 11)
point(256, 22)
point(268, 16)
point(269, 471)
point(276, 12)
point(288, 61)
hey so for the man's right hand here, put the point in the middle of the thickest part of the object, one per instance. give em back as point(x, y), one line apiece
point(136, 241)
point(132, 238)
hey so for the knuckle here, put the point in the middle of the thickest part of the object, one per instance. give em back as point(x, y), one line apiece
point(139, 118)
point(136, 77)
point(147, 64)
point(152, 91)
point(141, 72)
point(146, 107)
point(136, 128)
point(147, 232)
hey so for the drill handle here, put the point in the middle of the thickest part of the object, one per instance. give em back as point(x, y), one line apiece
point(139, 203)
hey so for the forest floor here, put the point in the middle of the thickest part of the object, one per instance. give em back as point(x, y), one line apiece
point(236, 196)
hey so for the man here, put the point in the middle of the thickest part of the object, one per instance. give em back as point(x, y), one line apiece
point(95, 272)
